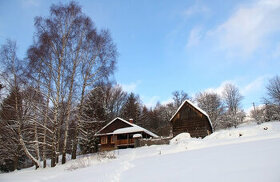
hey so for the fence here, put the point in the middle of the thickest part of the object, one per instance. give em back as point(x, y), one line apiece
point(154, 141)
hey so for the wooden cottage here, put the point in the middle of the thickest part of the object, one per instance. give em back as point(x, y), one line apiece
point(120, 133)
point(191, 119)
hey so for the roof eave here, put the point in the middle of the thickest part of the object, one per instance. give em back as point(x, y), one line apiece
point(131, 124)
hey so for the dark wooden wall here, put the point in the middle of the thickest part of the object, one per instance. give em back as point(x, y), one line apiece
point(192, 121)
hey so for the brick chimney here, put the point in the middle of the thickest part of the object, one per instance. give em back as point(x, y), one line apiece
point(131, 120)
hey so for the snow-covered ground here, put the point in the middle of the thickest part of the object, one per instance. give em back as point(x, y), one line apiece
point(248, 153)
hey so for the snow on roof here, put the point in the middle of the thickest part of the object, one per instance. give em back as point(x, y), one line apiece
point(133, 128)
point(138, 135)
point(196, 107)
point(128, 130)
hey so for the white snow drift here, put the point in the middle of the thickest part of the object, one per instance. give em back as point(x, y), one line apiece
point(248, 153)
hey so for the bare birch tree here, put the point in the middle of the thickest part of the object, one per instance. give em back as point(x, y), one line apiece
point(232, 100)
point(179, 97)
point(211, 103)
point(77, 57)
point(98, 63)
point(39, 71)
point(272, 100)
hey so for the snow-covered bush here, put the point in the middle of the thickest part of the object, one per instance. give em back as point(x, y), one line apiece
point(80, 163)
point(106, 155)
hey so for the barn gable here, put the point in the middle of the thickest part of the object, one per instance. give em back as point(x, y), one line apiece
point(190, 118)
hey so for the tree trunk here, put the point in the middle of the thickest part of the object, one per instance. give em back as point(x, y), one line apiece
point(58, 141)
point(69, 102)
point(29, 155)
point(19, 124)
point(76, 132)
point(16, 162)
point(54, 138)
point(74, 149)
point(45, 163)
point(45, 131)
point(37, 150)
point(53, 158)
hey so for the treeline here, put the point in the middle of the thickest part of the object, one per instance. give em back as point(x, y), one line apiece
point(225, 109)
point(54, 100)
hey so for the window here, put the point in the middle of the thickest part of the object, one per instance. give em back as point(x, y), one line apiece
point(122, 136)
point(104, 140)
point(113, 139)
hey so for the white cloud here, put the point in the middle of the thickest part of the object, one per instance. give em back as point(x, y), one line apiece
point(247, 89)
point(150, 101)
point(220, 88)
point(194, 37)
point(167, 101)
point(196, 8)
point(248, 27)
point(131, 87)
point(251, 108)
point(256, 84)
point(252, 90)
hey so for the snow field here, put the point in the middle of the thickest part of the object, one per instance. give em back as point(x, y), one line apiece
point(247, 153)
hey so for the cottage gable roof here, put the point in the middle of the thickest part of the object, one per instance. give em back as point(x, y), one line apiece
point(131, 129)
point(195, 107)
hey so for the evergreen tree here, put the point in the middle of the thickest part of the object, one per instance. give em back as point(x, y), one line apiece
point(132, 108)
point(10, 147)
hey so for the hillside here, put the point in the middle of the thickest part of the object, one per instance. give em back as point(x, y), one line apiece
point(247, 153)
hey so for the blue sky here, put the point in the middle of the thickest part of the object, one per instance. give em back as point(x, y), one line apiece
point(164, 46)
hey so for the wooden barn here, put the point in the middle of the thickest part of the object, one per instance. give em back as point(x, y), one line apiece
point(120, 133)
point(191, 119)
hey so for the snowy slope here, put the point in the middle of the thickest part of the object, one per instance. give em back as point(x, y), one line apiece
point(248, 153)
